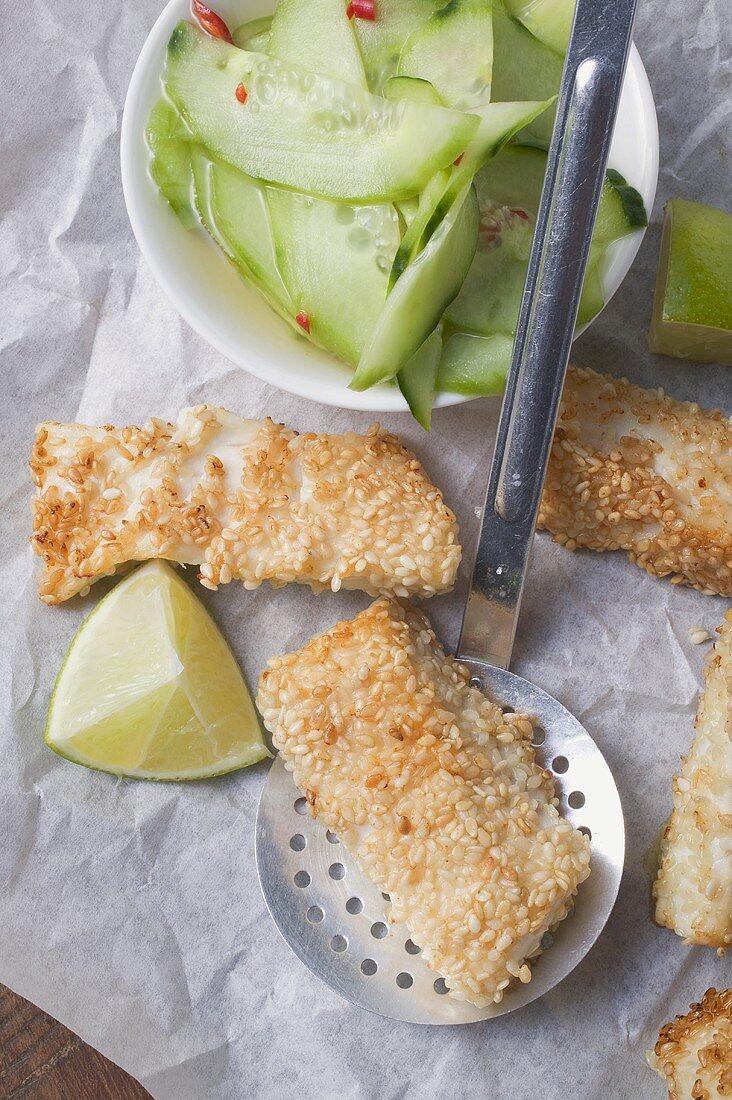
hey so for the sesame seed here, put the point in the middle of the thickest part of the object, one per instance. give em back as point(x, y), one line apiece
point(694, 885)
point(635, 470)
point(418, 786)
point(370, 517)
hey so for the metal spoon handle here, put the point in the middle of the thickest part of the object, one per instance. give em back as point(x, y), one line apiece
point(588, 102)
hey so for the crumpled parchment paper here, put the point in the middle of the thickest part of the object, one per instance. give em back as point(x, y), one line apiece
point(131, 911)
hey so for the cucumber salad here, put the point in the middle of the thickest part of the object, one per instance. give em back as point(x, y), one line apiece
point(373, 169)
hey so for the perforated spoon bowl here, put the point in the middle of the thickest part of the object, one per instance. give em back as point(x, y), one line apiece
point(332, 917)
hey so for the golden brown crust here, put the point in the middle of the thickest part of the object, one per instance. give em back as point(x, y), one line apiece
point(634, 470)
point(694, 1052)
point(433, 788)
point(239, 499)
point(693, 890)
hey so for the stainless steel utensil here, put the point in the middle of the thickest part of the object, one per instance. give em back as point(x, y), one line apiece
point(332, 917)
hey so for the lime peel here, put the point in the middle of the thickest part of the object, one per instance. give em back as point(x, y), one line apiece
point(149, 688)
point(692, 311)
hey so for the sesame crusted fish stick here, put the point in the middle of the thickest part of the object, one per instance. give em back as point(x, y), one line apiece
point(239, 499)
point(435, 791)
point(694, 1052)
point(693, 890)
point(632, 469)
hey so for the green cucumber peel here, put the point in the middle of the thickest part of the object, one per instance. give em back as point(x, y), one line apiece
point(634, 209)
point(498, 124)
point(417, 231)
point(419, 298)
point(417, 379)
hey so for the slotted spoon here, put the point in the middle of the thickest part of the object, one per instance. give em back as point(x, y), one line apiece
point(327, 911)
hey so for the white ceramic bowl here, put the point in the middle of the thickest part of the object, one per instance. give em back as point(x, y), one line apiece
point(209, 294)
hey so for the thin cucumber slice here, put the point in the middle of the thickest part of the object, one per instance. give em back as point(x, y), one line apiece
point(201, 166)
point(420, 297)
point(548, 20)
point(308, 132)
point(515, 178)
point(407, 210)
point(474, 365)
point(524, 68)
point(417, 379)
point(621, 209)
point(498, 123)
point(490, 296)
point(454, 51)
point(593, 298)
point(335, 260)
point(381, 39)
point(317, 35)
point(260, 43)
point(240, 210)
point(411, 87)
point(509, 190)
point(414, 237)
point(169, 143)
point(232, 208)
point(252, 32)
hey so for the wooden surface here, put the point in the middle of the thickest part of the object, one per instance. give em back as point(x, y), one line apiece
point(40, 1059)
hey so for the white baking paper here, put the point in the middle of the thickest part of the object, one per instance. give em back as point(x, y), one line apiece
point(131, 911)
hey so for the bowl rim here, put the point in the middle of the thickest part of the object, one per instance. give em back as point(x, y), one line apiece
point(304, 383)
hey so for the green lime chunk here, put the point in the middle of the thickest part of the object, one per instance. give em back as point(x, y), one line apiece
point(149, 688)
point(692, 311)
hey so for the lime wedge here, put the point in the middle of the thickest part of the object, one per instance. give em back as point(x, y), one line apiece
point(692, 310)
point(149, 688)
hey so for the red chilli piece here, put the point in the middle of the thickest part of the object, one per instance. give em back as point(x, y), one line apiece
point(458, 160)
point(303, 321)
point(361, 9)
point(520, 214)
point(241, 93)
point(212, 23)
